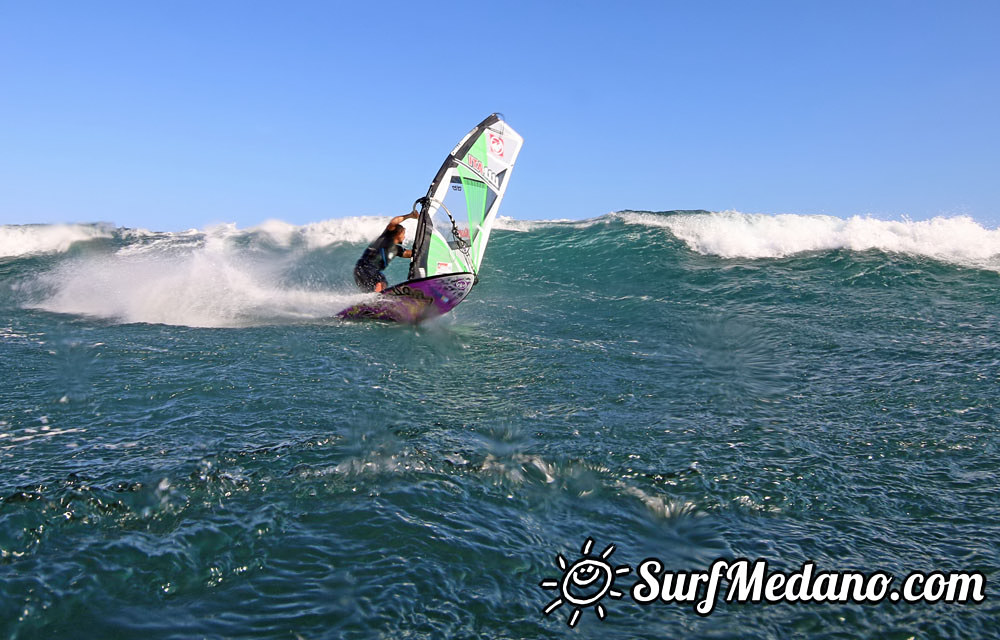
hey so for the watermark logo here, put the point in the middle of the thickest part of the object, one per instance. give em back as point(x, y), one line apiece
point(591, 578)
point(585, 582)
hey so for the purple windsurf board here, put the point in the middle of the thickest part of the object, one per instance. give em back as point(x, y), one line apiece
point(414, 301)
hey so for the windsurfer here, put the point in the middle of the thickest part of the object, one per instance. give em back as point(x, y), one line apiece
point(368, 271)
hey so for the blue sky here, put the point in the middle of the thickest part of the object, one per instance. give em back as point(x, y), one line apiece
point(170, 115)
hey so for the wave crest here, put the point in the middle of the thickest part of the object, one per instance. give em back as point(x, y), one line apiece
point(731, 234)
point(25, 239)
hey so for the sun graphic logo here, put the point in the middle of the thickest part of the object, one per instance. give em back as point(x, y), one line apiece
point(585, 582)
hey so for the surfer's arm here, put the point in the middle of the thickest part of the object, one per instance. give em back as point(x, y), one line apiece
point(399, 219)
point(407, 254)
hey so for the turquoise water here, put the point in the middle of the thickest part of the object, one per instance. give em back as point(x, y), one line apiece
point(190, 446)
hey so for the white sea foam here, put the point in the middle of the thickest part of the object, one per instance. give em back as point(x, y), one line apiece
point(209, 277)
point(20, 240)
point(524, 226)
point(730, 234)
point(325, 233)
point(277, 233)
point(207, 287)
point(203, 278)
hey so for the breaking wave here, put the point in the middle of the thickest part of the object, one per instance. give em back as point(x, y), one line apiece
point(27, 239)
point(277, 272)
point(730, 234)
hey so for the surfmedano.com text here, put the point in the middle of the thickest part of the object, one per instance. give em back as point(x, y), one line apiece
point(753, 582)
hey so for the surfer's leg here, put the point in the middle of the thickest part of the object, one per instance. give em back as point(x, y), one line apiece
point(365, 277)
point(382, 283)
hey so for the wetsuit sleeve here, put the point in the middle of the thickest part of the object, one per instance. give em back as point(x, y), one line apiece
point(394, 251)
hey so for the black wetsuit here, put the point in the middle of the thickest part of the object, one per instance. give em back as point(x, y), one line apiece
point(378, 255)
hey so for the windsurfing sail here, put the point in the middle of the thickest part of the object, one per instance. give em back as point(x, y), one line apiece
point(462, 202)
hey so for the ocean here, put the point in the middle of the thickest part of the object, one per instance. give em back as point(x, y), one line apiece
point(192, 446)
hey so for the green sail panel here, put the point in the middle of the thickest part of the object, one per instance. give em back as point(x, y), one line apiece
point(475, 203)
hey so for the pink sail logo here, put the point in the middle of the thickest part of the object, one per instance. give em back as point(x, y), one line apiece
point(496, 145)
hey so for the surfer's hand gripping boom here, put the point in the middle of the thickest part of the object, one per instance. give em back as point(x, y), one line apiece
point(423, 202)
